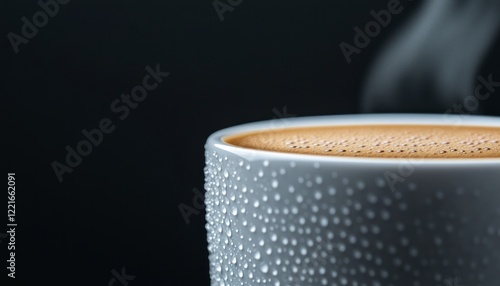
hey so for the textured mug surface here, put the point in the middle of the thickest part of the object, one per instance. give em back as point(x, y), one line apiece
point(292, 219)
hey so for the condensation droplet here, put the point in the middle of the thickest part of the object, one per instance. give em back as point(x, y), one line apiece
point(274, 183)
point(257, 255)
point(264, 267)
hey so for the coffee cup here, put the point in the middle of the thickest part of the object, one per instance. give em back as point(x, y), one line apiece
point(288, 218)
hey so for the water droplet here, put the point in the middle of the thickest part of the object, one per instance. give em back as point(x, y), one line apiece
point(274, 237)
point(257, 255)
point(277, 197)
point(300, 199)
point(323, 221)
point(274, 183)
point(319, 180)
point(303, 251)
point(332, 191)
point(264, 267)
point(269, 251)
point(317, 195)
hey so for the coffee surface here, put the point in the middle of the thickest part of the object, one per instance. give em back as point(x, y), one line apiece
point(388, 141)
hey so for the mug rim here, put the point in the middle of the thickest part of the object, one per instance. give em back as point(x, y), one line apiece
point(216, 140)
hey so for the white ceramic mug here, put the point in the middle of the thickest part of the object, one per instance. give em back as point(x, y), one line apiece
point(294, 219)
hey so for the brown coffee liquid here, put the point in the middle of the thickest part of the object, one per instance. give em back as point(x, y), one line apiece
point(388, 141)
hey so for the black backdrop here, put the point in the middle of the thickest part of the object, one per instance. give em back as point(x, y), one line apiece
point(120, 206)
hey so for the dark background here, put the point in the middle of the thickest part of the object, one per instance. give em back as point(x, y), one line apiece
point(120, 206)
